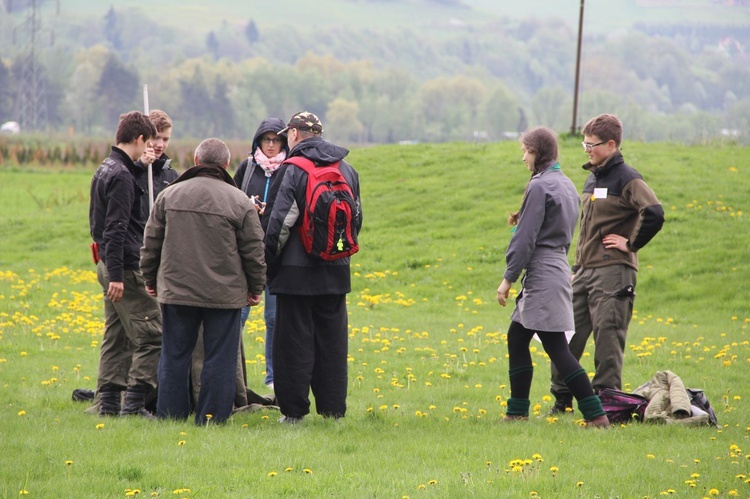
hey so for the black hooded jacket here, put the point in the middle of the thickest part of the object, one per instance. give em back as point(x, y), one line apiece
point(250, 177)
point(290, 269)
point(163, 175)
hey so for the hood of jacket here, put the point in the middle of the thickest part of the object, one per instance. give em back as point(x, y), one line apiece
point(268, 125)
point(319, 151)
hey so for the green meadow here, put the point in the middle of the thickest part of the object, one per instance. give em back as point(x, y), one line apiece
point(427, 369)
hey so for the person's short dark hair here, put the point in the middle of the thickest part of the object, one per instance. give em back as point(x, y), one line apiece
point(542, 141)
point(160, 119)
point(132, 125)
point(605, 126)
point(304, 121)
point(212, 152)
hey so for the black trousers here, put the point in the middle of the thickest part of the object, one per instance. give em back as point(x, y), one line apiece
point(310, 347)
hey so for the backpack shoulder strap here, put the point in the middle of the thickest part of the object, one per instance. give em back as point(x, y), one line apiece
point(249, 169)
point(306, 164)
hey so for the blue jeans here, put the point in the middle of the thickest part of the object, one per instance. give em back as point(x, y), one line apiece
point(269, 316)
point(221, 338)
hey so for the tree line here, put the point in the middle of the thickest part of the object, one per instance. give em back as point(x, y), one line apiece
point(485, 82)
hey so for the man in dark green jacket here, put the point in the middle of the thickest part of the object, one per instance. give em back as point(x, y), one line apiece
point(620, 214)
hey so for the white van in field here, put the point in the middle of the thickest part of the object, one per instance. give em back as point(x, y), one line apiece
point(10, 128)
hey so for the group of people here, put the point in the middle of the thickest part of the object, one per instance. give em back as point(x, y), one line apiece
point(183, 273)
point(620, 214)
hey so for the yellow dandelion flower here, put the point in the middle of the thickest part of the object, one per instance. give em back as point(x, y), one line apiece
point(432, 482)
point(272, 473)
point(308, 471)
point(21, 413)
point(100, 426)
point(181, 443)
point(650, 456)
point(579, 484)
point(713, 492)
point(288, 469)
point(421, 486)
point(23, 492)
point(69, 462)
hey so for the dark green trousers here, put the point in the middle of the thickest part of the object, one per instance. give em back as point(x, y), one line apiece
point(602, 305)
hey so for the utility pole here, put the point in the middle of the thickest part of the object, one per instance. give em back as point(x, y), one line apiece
point(32, 90)
point(574, 126)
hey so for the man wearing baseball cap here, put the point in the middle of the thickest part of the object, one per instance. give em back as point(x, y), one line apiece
point(311, 335)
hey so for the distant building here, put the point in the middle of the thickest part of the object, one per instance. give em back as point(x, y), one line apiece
point(10, 128)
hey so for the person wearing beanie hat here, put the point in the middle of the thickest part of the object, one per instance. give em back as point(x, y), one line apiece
point(543, 230)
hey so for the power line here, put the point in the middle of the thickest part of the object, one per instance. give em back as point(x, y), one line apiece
point(32, 89)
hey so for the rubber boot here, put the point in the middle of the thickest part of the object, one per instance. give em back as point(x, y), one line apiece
point(135, 404)
point(109, 403)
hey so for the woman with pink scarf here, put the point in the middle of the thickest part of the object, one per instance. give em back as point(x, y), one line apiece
point(255, 176)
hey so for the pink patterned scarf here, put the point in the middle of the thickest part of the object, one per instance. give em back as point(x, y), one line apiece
point(269, 165)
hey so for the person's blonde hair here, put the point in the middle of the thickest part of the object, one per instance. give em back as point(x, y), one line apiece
point(160, 119)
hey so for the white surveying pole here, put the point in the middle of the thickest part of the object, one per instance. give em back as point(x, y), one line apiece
point(146, 111)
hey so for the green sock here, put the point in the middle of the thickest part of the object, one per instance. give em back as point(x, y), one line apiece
point(591, 407)
point(519, 407)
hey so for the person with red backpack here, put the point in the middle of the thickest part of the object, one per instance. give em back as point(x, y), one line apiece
point(315, 217)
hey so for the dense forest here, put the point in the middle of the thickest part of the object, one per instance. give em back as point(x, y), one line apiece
point(479, 80)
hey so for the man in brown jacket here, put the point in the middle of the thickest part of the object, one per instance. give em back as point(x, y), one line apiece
point(620, 214)
point(203, 259)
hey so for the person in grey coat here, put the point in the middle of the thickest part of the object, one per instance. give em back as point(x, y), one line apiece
point(202, 258)
point(541, 238)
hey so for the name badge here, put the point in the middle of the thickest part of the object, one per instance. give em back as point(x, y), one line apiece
point(600, 193)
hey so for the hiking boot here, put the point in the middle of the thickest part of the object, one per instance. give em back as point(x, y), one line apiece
point(561, 406)
point(83, 395)
point(290, 419)
point(135, 405)
point(598, 422)
point(512, 418)
point(109, 403)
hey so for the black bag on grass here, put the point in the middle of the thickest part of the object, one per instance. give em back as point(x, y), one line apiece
point(699, 400)
point(622, 407)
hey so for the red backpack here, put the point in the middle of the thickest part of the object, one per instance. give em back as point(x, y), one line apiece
point(328, 229)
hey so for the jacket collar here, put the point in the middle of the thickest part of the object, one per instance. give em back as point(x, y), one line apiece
point(602, 171)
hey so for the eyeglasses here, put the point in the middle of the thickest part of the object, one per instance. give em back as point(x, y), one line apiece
point(589, 147)
point(271, 140)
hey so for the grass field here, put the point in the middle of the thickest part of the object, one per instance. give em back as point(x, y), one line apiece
point(428, 369)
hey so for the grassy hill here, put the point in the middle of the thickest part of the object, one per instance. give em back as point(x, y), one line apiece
point(428, 374)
